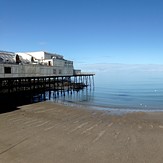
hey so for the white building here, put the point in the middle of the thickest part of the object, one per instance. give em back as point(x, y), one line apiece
point(34, 64)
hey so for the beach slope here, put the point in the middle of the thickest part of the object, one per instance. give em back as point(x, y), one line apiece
point(53, 133)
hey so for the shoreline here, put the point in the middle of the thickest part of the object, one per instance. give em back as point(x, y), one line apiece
point(115, 110)
point(50, 132)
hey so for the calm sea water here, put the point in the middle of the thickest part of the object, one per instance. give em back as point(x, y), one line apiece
point(121, 91)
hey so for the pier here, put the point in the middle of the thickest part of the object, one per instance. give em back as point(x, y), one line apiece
point(16, 89)
point(27, 76)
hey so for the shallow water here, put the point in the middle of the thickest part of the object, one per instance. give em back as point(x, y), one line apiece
point(140, 91)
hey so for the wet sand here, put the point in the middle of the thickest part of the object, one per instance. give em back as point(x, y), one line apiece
point(52, 133)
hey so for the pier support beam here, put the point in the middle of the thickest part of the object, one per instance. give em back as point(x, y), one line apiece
point(31, 86)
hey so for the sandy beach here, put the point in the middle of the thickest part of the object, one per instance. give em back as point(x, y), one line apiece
point(52, 133)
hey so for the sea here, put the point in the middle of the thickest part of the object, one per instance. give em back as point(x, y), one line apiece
point(121, 88)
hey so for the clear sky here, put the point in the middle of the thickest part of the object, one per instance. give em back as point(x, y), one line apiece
point(94, 32)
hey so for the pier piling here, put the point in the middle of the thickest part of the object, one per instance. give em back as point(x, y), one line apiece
point(20, 87)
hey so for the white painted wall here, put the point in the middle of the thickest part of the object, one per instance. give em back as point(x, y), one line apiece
point(34, 70)
point(37, 55)
point(25, 56)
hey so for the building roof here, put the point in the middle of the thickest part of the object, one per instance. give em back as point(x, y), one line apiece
point(7, 57)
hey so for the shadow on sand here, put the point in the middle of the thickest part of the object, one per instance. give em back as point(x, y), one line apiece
point(5, 109)
point(13, 103)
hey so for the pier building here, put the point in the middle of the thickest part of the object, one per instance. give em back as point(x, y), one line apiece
point(34, 64)
point(25, 74)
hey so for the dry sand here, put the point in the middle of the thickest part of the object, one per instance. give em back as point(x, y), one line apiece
point(51, 133)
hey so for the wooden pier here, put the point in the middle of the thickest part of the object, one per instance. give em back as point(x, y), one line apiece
point(18, 88)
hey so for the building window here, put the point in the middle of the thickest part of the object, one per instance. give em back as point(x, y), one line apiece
point(18, 59)
point(7, 70)
point(49, 63)
point(32, 59)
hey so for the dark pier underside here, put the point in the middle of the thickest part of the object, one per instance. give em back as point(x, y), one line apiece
point(17, 91)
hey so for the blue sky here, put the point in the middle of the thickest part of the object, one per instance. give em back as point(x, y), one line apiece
point(89, 32)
